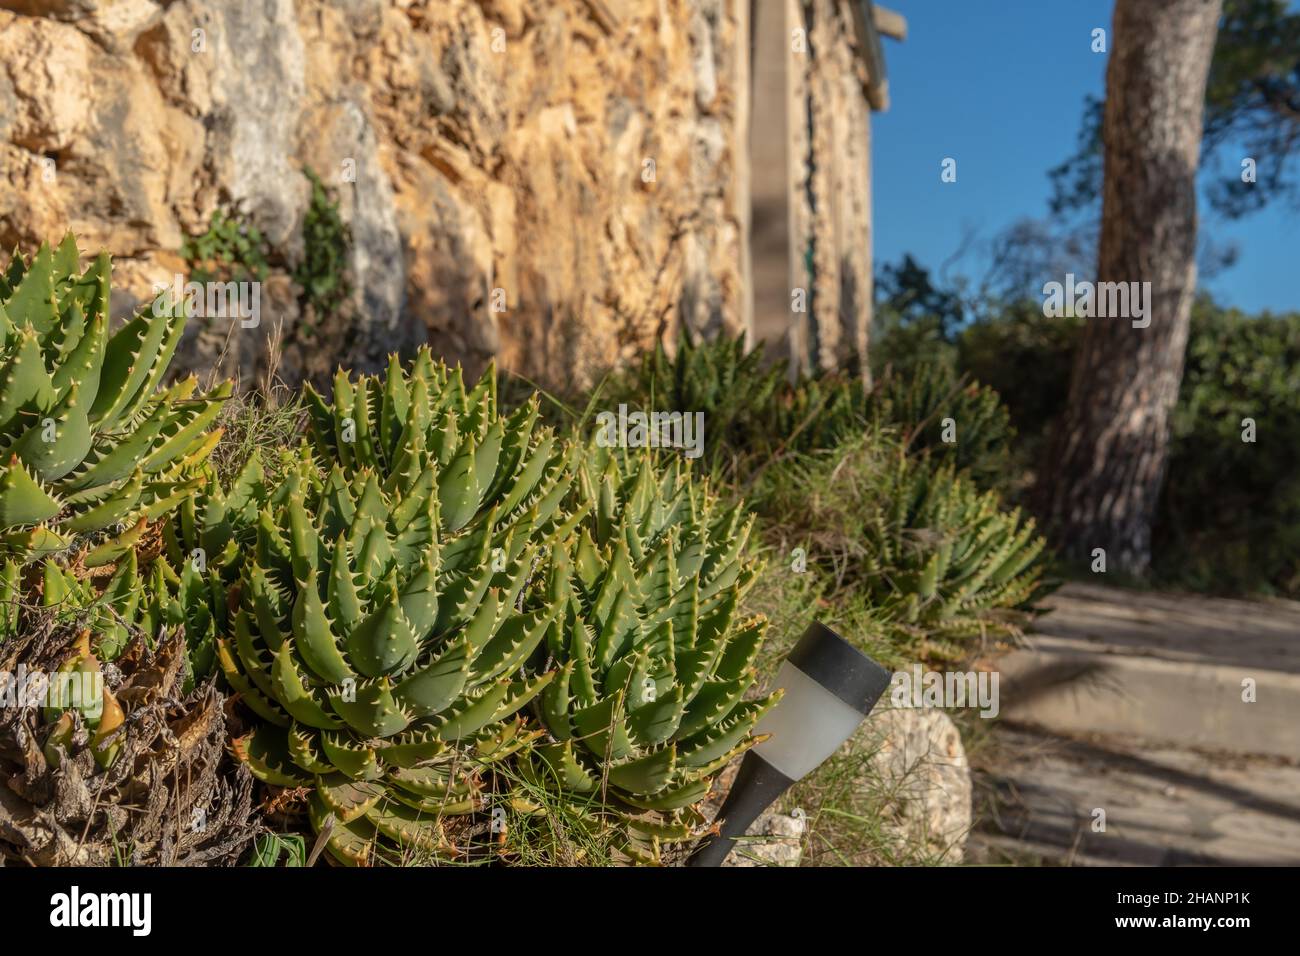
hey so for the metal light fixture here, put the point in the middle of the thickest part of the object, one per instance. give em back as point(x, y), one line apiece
point(830, 687)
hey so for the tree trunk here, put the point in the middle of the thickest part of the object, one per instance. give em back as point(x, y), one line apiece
point(1109, 454)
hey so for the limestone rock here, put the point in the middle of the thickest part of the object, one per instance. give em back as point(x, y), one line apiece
point(922, 778)
point(774, 839)
point(47, 70)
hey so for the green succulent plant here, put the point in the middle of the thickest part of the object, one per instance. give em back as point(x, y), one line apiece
point(734, 388)
point(80, 692)
point(231, 248)
point(918, 405)
point(12, 598)
point(202, 554)
point(110, 758)
point(656, 670)
point(389, 601)
point(322, 275)
point(751, 408)
point(89, 443)
point(943, 560)
point(110, 609)
point(754, 412)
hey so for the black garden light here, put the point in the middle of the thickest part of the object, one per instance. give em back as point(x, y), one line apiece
point(830, 687)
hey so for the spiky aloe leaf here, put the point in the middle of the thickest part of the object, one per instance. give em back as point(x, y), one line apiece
point(90, 444)
point(389, 598)
point(944, 561)
point(655, 662)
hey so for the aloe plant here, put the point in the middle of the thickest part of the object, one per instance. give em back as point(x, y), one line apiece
point(952, 418)
point(756, 415)
point(638, 533)
point(388, 603)
point(111, 610)
point(656, 664)
point(92, 701)
point(90, 442)
point(943, 561)
point(202, 554)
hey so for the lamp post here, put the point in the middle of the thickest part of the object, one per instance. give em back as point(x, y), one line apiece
point(830, 687)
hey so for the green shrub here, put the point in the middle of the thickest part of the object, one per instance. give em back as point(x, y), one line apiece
point(231, 249)
point(1228, 520)
point(1027, 359)
point(1229, 515)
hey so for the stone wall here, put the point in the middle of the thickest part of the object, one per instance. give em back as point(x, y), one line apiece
point(553, 182)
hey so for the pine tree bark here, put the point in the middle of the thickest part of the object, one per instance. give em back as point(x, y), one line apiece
point(1108, 460)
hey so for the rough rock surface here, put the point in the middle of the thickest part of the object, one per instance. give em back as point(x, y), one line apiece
point(552, 182)
point(775, 839)
point(923, 780)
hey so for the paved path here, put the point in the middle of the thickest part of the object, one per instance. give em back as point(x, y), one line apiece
point(1132, 702)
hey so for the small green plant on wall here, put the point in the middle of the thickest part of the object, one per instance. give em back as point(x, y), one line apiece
point(322, 274)
point(231, 249)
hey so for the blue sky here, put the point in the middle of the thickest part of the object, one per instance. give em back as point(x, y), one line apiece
point(1000, 87)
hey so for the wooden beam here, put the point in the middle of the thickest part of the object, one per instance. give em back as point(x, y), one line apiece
point(742, 196)
point(875, 86)
point(889, 23)
point(775, 119)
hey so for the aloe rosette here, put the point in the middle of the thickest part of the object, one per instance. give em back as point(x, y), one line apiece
point(655, 689)
point(203, 548)
point(387, 605)
point(943, 560)
point(89, 441)
point(104, 619)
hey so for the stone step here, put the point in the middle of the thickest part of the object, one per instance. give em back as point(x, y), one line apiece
point(1165, 667)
